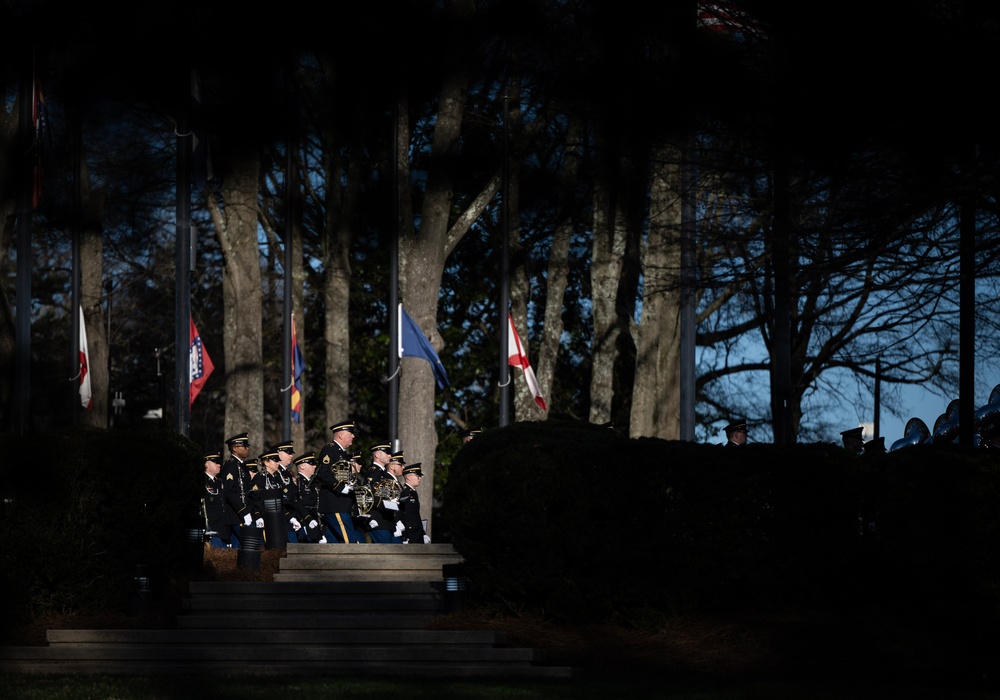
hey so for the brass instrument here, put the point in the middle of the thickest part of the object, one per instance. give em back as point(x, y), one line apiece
point(946, 425)
point(363, 495)
point(987, 419)
point(915, 433)
point(387, 489)
point(342, 471)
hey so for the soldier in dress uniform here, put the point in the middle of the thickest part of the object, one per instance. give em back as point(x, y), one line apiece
point(875, 446)
point(271, 492)
point(736, 434)
point(236, 477)
point(385, 511)
point(853, 440)
point(468, 435)
point(336, 495)
point(286, 456)
point(409, 506)
point(307, 503)
point(216, 518)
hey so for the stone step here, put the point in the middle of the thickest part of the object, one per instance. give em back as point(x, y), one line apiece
point(208, 637)
point(32, 664)
point(252, 619)
point(347, 610)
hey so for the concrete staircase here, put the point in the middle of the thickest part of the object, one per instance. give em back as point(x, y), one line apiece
point(332, 610)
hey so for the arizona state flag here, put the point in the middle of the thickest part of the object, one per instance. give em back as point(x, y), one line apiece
point(298, 367)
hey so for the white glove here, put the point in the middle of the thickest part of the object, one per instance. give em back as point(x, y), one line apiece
point(391, 505)
point(247, 519)
point(427, 539)
point(373, 523)
point(399, 529)
point(322, 540)
point(346, 489)
point(313, 524)
point(296, 525)
point(260, 523)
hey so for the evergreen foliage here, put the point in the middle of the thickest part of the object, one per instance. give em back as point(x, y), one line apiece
point(98, 505)
point(576, 522)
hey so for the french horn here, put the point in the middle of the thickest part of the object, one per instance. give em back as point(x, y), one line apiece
point(364, 497)
point(387, 489)
point(342, 470)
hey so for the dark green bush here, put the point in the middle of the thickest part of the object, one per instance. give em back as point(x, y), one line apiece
point(576, 521)
point(83, 508)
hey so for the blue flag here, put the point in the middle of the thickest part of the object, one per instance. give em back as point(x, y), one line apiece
point(413, 343)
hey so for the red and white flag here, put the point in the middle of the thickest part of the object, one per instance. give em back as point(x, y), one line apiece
point(517, 357)
point(199, 363)
point(85, 393)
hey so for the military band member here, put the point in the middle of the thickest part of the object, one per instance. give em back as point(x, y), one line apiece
point(385, 511)
point(307, 503)
point(853, 440)
point(736, 434)
point(470, 434)
point(217, 525)
point(236, 477)
point(336, 495)
point(286, 456)
point(409, 506)
point(270, 492)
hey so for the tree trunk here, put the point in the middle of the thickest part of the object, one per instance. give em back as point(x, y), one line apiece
point(236, 230)
point(8, 224)
point(605, 272)
point(421, 265)
point(656, 392)
point(340, 206)
point(91, 290)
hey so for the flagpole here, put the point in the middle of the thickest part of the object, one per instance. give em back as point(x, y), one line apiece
point(286, 346)
point(77, 150)
point(394, 287)
point(22, 337)
point(504, 383)
point(182, 299)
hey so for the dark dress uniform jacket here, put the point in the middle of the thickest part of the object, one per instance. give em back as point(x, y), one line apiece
point(331, 498)
point(307, 507)
point(385, 518)
point(216, 517)
point(270, 487)
point(409, 514)
point(236, 479)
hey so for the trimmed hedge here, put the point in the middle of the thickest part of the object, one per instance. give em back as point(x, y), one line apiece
point(572, 520)
point(83, 508)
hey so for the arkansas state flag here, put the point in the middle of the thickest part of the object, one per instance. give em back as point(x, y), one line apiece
point(298, 367)
point(85, 392)
point(519, 358)
point(199, 363)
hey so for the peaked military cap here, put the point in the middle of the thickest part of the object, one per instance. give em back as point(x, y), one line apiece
point(271, 453)
point(239, 439)
point(737, 425)
point(383, 446)
point(471, 432)
point(397, 457)
point(309, 457)
point(213, 457)
point(356, 457)
point(347, 425)
point(252, 464)
point(853, 432)
point(874, 446)
point(285, 446)
point(413, 469)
